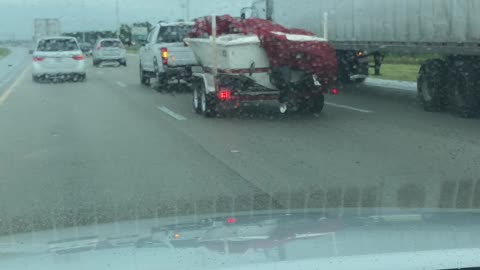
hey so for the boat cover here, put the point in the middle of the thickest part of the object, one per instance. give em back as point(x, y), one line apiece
point(294, 48)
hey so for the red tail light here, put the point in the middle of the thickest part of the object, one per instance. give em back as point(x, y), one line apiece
point(78, 57)
point(334, 91)
point(231, 220)
point(224, 94)
point(164, 52)
point(38, 59)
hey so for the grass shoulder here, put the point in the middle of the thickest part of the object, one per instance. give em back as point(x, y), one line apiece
point(4, 52)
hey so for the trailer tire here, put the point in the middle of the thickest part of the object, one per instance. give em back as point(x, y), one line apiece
point(208, 103)
point(317, 104)
point(313, 104)
point(431, 85)
point(196, 101)
point(462, 94)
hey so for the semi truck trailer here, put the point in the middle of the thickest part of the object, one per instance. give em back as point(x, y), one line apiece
point(360, 30)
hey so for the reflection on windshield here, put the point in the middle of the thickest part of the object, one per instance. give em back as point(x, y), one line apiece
point(173, 33)
point(57, 45)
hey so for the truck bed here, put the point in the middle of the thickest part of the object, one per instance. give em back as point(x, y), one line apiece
point(413, 26)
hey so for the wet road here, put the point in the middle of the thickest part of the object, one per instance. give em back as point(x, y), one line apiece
point(110, 149)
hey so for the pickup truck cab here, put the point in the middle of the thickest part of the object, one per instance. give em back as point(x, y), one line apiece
point(164, 56)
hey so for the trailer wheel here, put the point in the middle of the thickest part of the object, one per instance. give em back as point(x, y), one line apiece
point(431, 83)
point(462, 98)
point(317, 104)
point(208, 103)
point(313, 104)
point(197, 92)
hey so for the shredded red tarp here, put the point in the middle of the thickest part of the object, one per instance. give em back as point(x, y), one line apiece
point(315, 57)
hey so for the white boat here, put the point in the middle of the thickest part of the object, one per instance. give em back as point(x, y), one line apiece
point(233, 51)
point(236, 69)
point(238, 54)
point(236, 51)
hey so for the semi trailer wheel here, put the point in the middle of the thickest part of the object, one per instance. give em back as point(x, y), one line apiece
point(462, 95)
point(431, 85)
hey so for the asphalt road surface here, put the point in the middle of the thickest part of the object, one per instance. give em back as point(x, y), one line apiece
point(109, 149)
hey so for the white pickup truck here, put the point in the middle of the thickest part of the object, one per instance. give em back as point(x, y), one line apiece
point(165, 57)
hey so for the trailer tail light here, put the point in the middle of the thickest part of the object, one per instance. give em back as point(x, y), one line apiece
point(224, 94)
point(38, 59)
point(164, 53)
point(231, 220)
point(334, 91)
point(78, 57)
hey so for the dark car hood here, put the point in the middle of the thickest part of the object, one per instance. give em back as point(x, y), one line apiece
point(246, 240)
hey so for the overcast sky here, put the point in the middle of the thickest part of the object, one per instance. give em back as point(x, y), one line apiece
point(16, 16)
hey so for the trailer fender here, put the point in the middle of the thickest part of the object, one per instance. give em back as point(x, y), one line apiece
point(207, 80)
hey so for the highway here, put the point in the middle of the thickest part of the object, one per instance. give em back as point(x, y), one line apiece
point(109, 149)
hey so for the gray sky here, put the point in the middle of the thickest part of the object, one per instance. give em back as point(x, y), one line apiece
point(16, 16)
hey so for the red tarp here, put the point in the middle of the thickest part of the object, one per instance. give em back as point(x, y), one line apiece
point(315, 57)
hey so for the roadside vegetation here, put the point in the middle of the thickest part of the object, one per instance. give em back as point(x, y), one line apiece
point(4, 52)
point(132, 49)
point(401, 67)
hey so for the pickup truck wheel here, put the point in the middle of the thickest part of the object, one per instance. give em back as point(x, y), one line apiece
point(162, 82)
point(208, 104)
point(431, 85)
point(197, 90)
point(144, 79)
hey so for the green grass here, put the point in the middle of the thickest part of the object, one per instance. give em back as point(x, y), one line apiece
point(400, 72)
point(401, 67)
point(132, 50)
point(4, 52)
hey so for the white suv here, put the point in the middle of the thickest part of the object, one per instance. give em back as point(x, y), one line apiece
point(109, 50)
point(58, 58)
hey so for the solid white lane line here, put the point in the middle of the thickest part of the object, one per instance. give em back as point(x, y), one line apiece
point(348, 107)
point(9, 91)
point(121, 84)
point(172, 114)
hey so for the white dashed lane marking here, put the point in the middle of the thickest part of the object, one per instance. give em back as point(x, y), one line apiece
point(348, 107)
point(171, 113)
point(121, 84)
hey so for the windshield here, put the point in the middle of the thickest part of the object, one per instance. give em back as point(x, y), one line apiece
point(170, 34)
point(57, 45)
point(191, 134)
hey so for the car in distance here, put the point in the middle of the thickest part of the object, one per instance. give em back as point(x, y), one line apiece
point(109, 50)
point(58, 58)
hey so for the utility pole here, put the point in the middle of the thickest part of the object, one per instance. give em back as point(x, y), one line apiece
point(83, 19)
point(188, 10)
point(117, 15)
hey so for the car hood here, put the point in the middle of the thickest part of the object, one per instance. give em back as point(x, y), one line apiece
point(264, 240)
